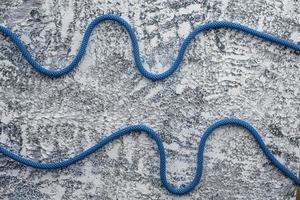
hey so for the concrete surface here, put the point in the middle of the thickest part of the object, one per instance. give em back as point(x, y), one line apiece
point(225, 73)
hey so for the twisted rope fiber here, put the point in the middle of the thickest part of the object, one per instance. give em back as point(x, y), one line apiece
point(152, 76)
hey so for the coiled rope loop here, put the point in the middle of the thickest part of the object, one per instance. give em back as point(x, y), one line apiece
point(152, 76)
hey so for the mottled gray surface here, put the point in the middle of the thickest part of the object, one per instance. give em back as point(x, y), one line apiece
point(225, 73)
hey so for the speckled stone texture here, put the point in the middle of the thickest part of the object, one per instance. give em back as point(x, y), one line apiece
point(225, 73)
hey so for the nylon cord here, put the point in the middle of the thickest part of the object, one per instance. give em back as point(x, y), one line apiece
point(152, 76)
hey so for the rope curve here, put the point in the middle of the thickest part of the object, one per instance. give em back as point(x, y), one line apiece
point(152, 76)
point(135, 46)
point(163, 174)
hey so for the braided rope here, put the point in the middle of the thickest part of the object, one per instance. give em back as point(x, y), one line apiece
point(152, 76)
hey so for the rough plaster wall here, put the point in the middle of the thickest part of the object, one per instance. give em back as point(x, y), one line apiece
point(225, 73)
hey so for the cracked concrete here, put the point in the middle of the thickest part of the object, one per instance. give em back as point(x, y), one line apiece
point(225, 73)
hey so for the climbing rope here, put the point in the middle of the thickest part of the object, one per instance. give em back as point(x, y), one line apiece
point(152, 76)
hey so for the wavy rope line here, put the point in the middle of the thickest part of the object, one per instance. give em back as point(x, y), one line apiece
point(152, 76)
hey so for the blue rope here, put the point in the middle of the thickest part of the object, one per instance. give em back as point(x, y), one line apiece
point(152, 76)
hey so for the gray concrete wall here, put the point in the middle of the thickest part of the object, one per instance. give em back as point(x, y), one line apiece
point(225, 73)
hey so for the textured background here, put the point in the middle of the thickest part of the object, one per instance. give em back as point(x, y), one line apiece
point(225, 73)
